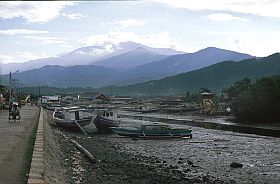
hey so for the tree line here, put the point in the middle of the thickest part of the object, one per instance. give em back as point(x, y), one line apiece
point(256, 102)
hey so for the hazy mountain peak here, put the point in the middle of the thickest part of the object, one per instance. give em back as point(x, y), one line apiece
point(215, 50)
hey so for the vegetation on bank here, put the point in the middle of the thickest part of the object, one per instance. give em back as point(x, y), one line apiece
point(256, 102)
point(28, 154)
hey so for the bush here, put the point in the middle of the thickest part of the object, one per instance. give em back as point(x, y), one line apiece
point(260, 101)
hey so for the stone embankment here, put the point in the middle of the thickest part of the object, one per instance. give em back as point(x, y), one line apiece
point(36, 174)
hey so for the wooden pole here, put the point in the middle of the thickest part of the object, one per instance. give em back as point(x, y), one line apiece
point(80, 127)
point(85, 151)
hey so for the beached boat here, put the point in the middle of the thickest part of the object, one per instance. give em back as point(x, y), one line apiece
point(154, 130)
point(145, 109)
point(105, 120)
point(69, 116)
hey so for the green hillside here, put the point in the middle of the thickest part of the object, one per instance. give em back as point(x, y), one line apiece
point(215, 77)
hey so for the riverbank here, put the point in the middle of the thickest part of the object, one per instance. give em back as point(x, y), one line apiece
point(204, 159)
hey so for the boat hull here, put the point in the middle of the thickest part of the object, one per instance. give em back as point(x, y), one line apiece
point(71, 124)
point(103, 125)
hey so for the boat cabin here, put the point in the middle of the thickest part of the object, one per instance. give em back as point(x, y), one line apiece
point(75, 113)
point(107, 113)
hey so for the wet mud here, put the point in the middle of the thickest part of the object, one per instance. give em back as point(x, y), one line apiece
point(206, 158)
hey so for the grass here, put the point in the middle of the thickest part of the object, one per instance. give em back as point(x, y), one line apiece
point(28, 154)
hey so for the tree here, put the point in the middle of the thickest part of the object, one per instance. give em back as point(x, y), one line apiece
point(238, 87)
point(259, 102)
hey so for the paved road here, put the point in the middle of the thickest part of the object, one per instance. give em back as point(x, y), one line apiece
point(13, 144)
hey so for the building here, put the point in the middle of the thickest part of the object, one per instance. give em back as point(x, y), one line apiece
point(49, 100)
point(94, 96)
point(120, 99)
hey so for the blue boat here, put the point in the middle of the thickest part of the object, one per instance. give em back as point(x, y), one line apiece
point(154, 130)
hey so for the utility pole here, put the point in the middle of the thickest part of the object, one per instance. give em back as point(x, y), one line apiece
point(10, 80)
point(0, 74)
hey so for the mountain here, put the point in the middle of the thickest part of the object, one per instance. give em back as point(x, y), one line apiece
point(85, 56)
point(215, 77)
point(185, 62)
point(100, 76)
point(72, 76)
point(131, 59)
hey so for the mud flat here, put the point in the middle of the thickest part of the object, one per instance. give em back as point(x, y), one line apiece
point(204, 159)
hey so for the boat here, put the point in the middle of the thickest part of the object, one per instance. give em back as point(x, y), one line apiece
point(69, 117)
point(53, 107)
point(105, 120)
point(145, 109)
point(154, 130)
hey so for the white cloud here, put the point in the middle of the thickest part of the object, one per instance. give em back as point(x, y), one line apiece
point(126, 23)
point(224, 17)
point(19, 57)
point(255, 45)
point(39, 12)
point(66, 46)
point(30, 56)
point(21, 31)
point(130, 23)
point(45, 40)
point(6, 58)
point(74, 16)
point(158, 40)
point(268, 8)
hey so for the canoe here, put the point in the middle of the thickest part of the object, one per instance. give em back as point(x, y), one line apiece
point(152, 131)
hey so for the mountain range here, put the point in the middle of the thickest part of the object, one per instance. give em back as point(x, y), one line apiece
point(136, 65)
point(92, 54)
point(215, 77)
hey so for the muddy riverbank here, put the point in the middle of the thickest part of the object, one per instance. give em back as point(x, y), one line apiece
point(204, 159)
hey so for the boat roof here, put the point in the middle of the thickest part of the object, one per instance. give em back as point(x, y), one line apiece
point(73, 109)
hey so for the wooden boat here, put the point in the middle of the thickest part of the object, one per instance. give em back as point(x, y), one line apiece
point(68, 117)
point(145, 109)
point(105, 120)
point(154, 130)
point(53, 107)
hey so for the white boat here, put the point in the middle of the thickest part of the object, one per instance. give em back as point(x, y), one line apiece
point(70, 116)
point(145, 109)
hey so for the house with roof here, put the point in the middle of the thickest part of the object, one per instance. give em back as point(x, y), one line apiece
point(94, 96)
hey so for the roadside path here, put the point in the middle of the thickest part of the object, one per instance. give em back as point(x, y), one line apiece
point(14, 143)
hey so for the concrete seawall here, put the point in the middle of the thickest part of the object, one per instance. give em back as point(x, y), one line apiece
point(249, 129)
point(36, 173)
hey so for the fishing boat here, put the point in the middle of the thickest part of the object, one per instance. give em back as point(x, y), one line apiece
point(146, 109)
point(105, 120)
point(154, 130)
point(69, 117)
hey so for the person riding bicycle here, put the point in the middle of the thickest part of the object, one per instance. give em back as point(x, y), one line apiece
point(14, 108)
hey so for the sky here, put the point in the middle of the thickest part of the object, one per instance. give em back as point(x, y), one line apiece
point(31, 30)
